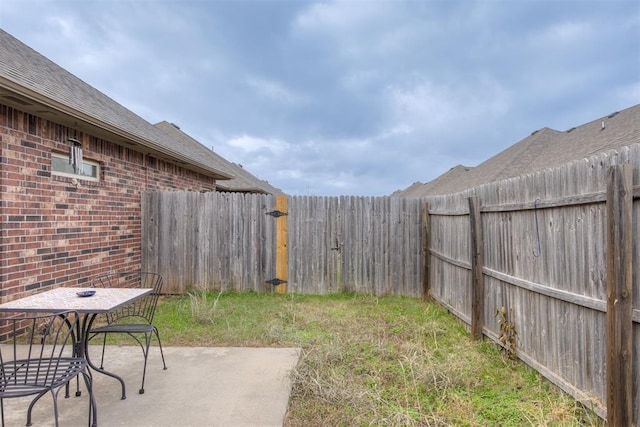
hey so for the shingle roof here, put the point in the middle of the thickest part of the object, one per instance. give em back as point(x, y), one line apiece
point(243, 181)
point(542, 149)
point(453, 175)
point(40, 82)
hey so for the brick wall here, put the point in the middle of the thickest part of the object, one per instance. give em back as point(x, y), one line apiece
point(56, 233)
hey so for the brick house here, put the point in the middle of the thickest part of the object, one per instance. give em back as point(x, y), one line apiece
point(73, 164)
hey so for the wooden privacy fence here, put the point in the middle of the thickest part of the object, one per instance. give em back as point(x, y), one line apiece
point(559, 251)
point(217, 241)
point(227, 241)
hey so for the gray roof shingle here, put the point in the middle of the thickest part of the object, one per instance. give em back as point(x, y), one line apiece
point(542, 149)
point(36, 79)
point(243, 181)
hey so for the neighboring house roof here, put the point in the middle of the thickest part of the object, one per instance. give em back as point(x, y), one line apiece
point(418, 188)
point(34, 84)
point(542, 149)
point(243, 181)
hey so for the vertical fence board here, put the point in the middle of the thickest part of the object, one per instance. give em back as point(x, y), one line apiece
point(282, 257)
point(426, 256)
point(619, 296)
point(477, 256)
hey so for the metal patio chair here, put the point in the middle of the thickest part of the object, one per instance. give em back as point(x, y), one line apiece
point(135, 320)
point(38, 356)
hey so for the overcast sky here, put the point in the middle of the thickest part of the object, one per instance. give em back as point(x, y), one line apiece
point(349, 97)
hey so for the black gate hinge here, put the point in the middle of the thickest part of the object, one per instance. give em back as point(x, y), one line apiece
point(276, 213)
point(276, 281)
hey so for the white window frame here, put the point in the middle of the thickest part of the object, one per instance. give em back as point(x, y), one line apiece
point(81, 175)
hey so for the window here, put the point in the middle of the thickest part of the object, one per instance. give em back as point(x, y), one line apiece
point(60, 166)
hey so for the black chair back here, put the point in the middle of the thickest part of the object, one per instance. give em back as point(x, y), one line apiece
point(32, 352)
point(143, 309)
point(38, 355)
point(135, 319)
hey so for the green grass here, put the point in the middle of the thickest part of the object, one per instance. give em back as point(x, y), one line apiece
point(375, 360)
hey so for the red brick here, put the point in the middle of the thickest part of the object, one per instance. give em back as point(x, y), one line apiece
point(36, 252)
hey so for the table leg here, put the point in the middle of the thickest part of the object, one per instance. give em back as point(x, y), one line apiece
point(94, 367)
point(79, 352)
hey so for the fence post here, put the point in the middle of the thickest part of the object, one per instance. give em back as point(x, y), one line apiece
point(619, 295)
point(477, 263)
point(282, 257)
point(426, 256)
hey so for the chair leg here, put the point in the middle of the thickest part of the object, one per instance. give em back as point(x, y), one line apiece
point(68, 387)
point(78, 392)
point(33, 402)
point(147, 339)
point(93, 414)
point(160, 345)
point(77, 350)
point(104, 345)
point(54, 394)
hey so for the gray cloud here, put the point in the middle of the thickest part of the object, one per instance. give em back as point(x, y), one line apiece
point(347, 97)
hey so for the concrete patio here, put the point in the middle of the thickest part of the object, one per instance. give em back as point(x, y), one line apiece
point(203, 386)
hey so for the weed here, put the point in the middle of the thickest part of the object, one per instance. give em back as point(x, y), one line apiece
point(507, 332)
point(203, 310)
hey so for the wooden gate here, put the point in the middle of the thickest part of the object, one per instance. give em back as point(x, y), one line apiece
point(355, 244)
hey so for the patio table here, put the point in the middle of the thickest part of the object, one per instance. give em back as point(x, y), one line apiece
point(64, 299)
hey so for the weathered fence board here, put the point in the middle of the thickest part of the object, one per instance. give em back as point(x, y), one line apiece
point(619, 296)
